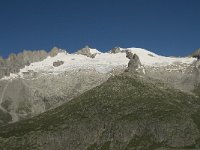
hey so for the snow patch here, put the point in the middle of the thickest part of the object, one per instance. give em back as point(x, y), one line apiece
point(94, 51)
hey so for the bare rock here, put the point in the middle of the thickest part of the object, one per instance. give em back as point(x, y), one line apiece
point(134, 64)
point(129, 55)
point(93, 55)
point(85, 51)
point(17, 61)
point(54, 52)
point(58, 63)
point(115, 50)
point(196, 54)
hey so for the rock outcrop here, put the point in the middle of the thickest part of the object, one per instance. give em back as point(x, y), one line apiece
point(134, 64)
point(54, 51)
point(86, 51)
point(196, 54)
point(58, 63)
point(15, 62)
point(115, 50)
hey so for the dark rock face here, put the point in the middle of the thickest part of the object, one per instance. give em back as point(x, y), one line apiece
point(129, 55)
point(93, 55)
point(134, 63)
point(196, 54)
point(57, 63)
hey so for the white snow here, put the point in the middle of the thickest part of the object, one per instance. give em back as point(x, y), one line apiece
point(103, 62)
point(93, 51)
point(148, 58)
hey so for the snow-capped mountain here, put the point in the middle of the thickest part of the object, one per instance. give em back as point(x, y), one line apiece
point(59, 76)
point(102, 62)
point(99, 98)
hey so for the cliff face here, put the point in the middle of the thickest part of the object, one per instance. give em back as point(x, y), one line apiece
point(126, 112)
point(15, 62)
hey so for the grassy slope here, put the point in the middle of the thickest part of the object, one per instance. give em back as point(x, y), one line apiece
point(121, 102)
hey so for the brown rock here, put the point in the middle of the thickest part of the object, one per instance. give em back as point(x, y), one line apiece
point(58, 63)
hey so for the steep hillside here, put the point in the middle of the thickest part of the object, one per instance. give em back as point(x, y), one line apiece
point(126, 112)
point(60, 76)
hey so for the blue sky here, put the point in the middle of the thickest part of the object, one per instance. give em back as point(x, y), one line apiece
point(166, 27)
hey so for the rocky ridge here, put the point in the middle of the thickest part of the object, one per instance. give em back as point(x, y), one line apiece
point(15, 62)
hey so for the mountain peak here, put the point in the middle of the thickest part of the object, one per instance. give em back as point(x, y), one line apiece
point(55, 50)
point(87, 51)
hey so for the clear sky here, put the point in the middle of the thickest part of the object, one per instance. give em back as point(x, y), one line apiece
point(166, 27)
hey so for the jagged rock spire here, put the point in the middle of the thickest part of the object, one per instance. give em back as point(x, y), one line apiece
point(134, 64)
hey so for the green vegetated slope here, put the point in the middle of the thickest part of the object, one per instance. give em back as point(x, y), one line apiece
point(125, 113)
